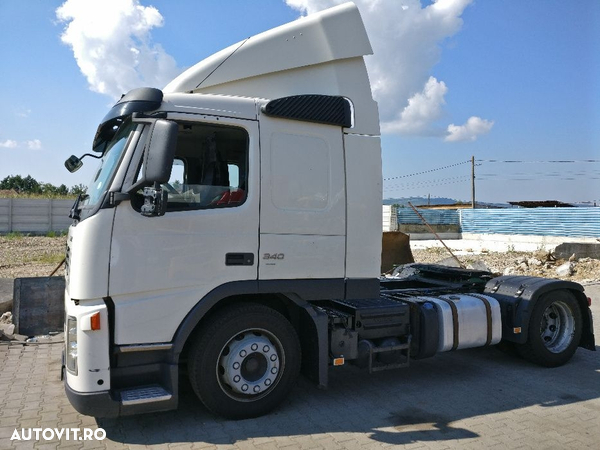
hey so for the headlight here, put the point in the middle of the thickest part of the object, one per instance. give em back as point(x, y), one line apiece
point(71, 350)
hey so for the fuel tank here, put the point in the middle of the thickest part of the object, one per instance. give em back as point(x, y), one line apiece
point(466, 320)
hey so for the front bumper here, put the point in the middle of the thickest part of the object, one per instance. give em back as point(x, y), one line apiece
point(147, 398)
point(97, 404)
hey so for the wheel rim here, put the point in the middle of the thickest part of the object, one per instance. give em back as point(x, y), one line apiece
point(557, 327)
point(250, 365)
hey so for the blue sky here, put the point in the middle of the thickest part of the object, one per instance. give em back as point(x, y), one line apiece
point(499, 80)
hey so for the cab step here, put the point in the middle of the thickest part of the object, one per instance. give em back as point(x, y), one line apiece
point(144, 394)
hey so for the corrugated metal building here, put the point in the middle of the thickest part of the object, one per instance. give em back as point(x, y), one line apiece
point(572, 222)
point(569, 222)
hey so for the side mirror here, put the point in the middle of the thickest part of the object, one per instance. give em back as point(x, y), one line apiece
point(73, 164)
point(159, 155)
point(161, 151)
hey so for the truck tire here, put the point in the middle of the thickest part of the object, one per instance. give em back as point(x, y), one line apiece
point(554, 331)
point(244, 361)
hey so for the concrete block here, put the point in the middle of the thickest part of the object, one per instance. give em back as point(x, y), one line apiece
point(565, 270)
point(38, 305)
point(7, 328)
point(581, 250)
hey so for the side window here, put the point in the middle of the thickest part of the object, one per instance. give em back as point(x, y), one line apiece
point(210, 169)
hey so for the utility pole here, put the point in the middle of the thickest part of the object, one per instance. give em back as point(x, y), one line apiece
point(473, 182)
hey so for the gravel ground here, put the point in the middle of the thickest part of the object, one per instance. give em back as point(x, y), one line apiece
point(34, 256)
point(31, 256)
point(541, 264)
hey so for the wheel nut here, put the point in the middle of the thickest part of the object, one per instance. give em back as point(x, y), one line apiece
point(256, 388)
point(273, 357)
point(274, 370)
point(237, 378)
point(243, 353)
point(266, 349)
point(236, 365)
point(245, 387)
point(268, 382)
point(254, 347)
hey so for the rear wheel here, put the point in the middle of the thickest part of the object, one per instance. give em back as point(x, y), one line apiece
point(245, 361)
point(554, 330)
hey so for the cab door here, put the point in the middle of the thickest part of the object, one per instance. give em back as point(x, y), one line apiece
point(160, 267)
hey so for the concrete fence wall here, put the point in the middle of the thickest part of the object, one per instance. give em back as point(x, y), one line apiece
point(39, 216)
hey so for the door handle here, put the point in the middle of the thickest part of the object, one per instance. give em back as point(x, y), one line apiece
point(239, 259)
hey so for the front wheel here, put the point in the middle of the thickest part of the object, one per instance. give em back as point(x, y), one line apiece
point(554, 330)
point(244, 361)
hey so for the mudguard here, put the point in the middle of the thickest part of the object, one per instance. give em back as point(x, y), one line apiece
point(518, 295)
point(315, 356)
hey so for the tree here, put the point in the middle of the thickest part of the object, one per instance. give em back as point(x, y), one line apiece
point(11, 183)
point(78, 189)
point(27, 185)
point(48, 189)
point(30, 186)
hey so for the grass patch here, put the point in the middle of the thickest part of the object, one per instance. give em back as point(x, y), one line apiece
point(14, 235)
point(55, 234)
point(437, 250)
point(45, 258)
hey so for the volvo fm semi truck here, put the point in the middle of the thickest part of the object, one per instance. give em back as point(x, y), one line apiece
point(232, 235)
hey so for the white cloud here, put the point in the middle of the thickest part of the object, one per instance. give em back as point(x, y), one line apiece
point(34, 144)
point(9, 143)
point(423, 108)
point(406, 40)
point(112, 45)
point(475, 126)
point(111, 42)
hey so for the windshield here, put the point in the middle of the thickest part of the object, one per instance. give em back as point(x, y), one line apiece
point(108, 165)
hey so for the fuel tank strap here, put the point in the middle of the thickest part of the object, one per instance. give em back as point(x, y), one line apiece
point(454, 320)
point(488, 314)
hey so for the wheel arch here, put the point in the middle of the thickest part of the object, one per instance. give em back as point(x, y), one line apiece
point(310, 324)
point(518, 296)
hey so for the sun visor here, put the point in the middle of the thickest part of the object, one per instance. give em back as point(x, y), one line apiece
point(136, 100)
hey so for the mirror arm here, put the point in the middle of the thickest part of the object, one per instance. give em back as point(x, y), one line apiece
point(89, 154)
point(73, 164)
point(114, 198)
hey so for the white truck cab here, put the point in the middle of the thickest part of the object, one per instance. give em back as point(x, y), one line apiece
point(234, 228)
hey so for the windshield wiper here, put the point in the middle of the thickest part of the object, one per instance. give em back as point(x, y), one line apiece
point(75, 210)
